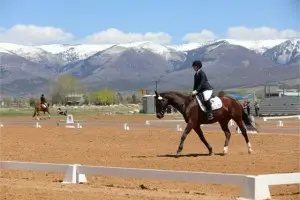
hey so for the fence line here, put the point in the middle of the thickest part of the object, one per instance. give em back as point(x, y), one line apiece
point(281, 117)
point(253, 187)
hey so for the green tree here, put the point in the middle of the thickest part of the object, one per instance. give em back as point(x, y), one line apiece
point(66, 85)
point(120, 98)
point(134, 99)
point(103, 97)
point(94, 97)
point(7, 101)
point(32, 101)
point(107, 96)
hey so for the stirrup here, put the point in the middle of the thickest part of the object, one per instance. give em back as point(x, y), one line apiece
point(209, 116)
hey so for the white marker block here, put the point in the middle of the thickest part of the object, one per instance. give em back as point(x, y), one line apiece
point(78, 125)
point(37, 125)
point(178, 128)
point(280, 123)
point(126, 127)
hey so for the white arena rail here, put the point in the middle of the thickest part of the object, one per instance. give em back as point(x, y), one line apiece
point(281, 117)
point(253, 187)
point(148, 122)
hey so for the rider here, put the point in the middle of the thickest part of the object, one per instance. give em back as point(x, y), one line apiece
point(43, 101)
point(202, 88)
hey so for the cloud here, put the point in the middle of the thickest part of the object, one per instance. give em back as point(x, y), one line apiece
point(244, 33)
point(202, 36)
point(34, 35)
point(261, 33)
point(38, 35)
point(112, 36)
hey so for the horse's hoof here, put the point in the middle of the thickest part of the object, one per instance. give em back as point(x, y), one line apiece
point(223, 153)
point(250, 151)
point(211, 154)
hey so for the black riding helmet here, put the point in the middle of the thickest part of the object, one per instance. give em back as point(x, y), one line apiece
point(197, 63)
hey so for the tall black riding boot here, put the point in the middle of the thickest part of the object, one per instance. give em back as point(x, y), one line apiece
point(209, 110)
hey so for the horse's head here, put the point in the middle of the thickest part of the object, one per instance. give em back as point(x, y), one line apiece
point(161, 104)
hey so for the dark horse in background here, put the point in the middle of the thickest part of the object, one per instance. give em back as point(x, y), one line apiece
point(40, 108)
point(224, 109)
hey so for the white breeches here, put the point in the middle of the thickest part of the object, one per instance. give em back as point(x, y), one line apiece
point(207, 94)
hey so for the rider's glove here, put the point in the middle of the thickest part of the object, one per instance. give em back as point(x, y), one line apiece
point(194, 92)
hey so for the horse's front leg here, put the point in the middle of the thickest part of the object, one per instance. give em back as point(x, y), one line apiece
point(48, 114)
point(199, 132)
point(37, 115)
point(224, 126)
point(186, 131)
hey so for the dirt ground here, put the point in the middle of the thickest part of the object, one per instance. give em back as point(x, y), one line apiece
point(140, 148)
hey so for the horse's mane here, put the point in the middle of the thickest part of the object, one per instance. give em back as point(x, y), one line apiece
point(174, 95)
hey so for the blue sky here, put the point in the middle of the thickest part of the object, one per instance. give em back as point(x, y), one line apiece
point(174, 17)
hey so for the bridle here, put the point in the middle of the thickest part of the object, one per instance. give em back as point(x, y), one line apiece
point(163, 109)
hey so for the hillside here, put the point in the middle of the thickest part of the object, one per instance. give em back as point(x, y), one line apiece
point(229, 63)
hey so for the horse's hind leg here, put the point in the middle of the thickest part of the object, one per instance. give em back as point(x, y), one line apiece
point(34, 113)
point(37, 115)
point(243, 129)
point(224, 126)
point(199, 132)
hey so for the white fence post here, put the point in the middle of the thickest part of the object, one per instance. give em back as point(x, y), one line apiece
point(72, 175)
point(255, 188)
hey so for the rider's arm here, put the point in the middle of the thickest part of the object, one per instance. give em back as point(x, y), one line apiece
point(201, 77)
point(195, 80)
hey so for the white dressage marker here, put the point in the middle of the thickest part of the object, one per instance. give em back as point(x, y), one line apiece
point(70, 122)
point(37, 125)
point(78, 125)
point(126, 127)
point(280, 123)
point(178, 128)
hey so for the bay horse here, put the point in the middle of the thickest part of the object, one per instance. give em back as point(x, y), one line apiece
point(39, 107)
point(229, 108)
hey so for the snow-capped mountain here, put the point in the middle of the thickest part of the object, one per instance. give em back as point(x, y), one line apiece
point(32, 53)
point(259, 46)
point(117, 65)
point(285, 53)
point(71, 53)
point(63, 54)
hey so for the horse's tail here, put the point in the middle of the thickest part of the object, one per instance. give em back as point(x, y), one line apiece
point(248, 121)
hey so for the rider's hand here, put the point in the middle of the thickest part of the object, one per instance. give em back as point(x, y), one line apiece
point(194, 92)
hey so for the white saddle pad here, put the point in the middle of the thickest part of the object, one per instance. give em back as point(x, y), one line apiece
point(216, 103)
